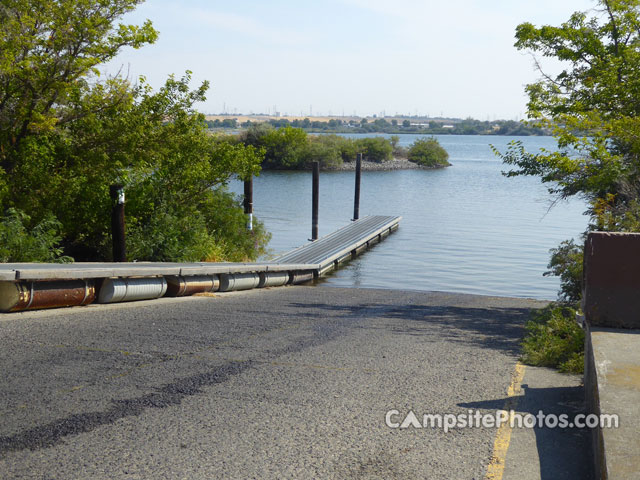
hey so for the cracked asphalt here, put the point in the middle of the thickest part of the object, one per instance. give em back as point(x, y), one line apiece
point(290, 382)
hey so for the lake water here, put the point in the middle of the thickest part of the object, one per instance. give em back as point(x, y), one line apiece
point(465, 228)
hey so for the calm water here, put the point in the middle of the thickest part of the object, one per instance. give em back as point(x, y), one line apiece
point(465, 228)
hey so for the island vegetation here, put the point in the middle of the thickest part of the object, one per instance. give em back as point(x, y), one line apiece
point(592, 109)
point(290, 148)
point(428, 152)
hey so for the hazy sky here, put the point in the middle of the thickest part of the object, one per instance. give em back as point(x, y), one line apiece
point(449, 57)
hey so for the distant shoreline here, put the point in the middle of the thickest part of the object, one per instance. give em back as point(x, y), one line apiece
point(398, 125)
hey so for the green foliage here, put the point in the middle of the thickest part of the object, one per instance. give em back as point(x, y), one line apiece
point(291, 148)
point(428, 152)
point(49, 50)
point(592, 108)
point(566, 263)
point(284, 147)
point(375, 149)
point(611, 216)
point(213, 229)
point(325, 149)
point(230, 233)
point(66, 136)
point(554, 339)
point(22, 242)
point(347, 146)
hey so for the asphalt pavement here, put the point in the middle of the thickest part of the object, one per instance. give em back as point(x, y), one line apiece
point(292, 382)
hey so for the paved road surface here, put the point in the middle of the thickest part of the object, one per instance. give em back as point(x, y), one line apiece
point(280, 383)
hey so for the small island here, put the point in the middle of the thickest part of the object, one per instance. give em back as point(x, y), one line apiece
point(289, 148)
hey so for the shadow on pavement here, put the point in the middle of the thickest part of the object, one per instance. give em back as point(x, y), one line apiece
point(494, 328)
point(564, 453)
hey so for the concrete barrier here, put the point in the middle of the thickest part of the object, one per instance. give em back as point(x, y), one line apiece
point(612, 280)
point(611, 303)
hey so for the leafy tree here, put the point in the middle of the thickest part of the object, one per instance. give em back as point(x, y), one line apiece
point(49, 53)
point(284, 147)
point(66, 135)
point(255, 133)
point(230, 123)
point(325, 149)
point(428, 152)
point(592, 107)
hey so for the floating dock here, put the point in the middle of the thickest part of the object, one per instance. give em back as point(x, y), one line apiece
point(343, 244)
point(25, 286)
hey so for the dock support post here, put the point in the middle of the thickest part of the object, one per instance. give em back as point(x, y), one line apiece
point(248, 202)
point(314, 205)
point(356, 200)
point(116, 192)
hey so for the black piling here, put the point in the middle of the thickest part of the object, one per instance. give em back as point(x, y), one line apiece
point(314, 203)
point(356, 200)
point(248, 202)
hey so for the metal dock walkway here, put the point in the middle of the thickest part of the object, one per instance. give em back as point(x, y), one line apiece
point(46, 285)
point(342, 244)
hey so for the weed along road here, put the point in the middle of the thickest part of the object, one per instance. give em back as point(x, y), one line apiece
point(296, 382)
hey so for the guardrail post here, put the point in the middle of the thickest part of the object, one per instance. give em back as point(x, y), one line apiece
point(116, 192)
point(314, 206)
point(248, 202)
point(356, 201)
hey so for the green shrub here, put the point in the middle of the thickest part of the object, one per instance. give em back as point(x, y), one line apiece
point(324, 149)
point(348, 148)
point(375, 149)
point(428, 152)
point(19, 242)
point(225, 216)
point(284, 147)
point(554, 339)
point(566, 263)
point(213, 229)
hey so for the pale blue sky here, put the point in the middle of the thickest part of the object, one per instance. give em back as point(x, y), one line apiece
point(450, 57)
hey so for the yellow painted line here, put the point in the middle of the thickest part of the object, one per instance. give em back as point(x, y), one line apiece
point(495, 470)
